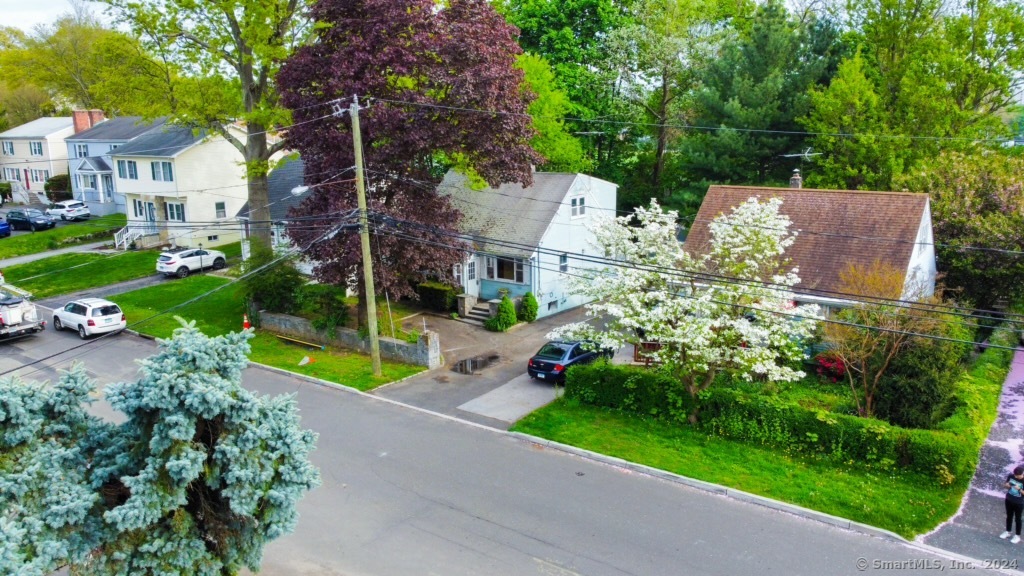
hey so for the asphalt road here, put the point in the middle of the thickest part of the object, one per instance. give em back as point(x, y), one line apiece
point(406, 492)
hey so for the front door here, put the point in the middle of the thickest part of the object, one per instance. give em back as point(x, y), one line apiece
point(151, 218)
point(472, 281)
point(108, 188)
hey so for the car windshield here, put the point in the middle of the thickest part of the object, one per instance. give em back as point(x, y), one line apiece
point(108, 310)
point(33, 212)
point(552, 350)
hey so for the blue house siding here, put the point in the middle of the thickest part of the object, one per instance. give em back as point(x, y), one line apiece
point(489, 289)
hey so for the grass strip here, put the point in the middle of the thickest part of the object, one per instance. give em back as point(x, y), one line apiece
point(67, 273)
point(221, 312)
point(903, 502)
point(97, 229)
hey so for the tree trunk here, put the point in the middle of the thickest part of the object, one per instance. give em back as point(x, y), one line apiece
point(256, 174)
point(659, 159)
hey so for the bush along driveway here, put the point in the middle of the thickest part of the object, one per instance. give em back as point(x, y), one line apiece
point(221, 312)
point(866, 470)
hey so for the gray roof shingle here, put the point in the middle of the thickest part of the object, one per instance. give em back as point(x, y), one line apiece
point(38, 128)
point(509, 213)
point(287, 175)
point(165, 142)
point(121, 128)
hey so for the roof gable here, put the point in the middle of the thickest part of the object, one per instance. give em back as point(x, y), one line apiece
point(835, 228)
point(510, 212)
point(165, 142)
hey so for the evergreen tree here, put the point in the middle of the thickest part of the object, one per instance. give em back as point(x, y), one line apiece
point(196, 480)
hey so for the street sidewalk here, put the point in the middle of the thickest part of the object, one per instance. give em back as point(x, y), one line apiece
point(974, 530)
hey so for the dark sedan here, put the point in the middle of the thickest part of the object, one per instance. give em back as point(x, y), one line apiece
point(554, 358)
point(29, 219)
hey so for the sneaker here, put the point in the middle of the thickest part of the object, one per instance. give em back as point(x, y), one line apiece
point(1015, 539)
point(1005, 535)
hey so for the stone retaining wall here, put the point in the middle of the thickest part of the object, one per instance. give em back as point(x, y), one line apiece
point(425, 352)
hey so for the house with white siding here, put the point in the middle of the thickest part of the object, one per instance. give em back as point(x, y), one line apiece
point(181, 188)
point(528, 239)
point(32, 153)
point(90, 164)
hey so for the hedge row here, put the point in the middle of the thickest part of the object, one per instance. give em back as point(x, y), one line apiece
point(437, 296)
point(947, 452)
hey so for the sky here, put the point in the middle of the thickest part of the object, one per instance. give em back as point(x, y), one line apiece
point(26, 14)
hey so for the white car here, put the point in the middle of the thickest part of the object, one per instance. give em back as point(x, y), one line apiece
point(183, 262)
point(69, 210)
point(89, 316)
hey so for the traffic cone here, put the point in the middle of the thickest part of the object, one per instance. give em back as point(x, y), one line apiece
point(245, 322)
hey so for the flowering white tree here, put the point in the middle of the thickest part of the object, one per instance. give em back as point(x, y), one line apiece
point(728, 311)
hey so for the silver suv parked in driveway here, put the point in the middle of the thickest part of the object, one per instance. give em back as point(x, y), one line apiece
point(185, 261)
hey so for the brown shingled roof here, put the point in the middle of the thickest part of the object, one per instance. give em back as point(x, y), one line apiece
point(835, 227)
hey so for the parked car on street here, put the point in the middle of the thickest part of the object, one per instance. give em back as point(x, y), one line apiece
point(89, 316)
point(555, 357)
point(69, 210)
point(29, 219)
point(183, 262)
point(5, 229)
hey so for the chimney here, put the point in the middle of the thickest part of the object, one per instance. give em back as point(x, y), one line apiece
point(85, 119)
point(795, 181)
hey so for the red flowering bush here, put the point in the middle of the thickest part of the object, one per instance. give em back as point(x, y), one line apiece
point(830, 366)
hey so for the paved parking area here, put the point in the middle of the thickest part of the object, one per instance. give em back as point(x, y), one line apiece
point(495, 395)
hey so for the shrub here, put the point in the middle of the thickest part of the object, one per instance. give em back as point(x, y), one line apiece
point(918, 389)
point(437, 296)
point(58, 188)
point(830, 367)
point(274, 289)
point(649, 392)
point(325, 305)
point(506, 317)
point(5, 190)
point(528, 309)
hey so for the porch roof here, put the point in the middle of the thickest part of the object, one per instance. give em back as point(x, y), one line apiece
point(93, 164)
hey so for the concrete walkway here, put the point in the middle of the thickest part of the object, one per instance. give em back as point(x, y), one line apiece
point(974, 530)
point(90, 247)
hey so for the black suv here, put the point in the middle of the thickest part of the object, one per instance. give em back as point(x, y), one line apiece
point(29, 219)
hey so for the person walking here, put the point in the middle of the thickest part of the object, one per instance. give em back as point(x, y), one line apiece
point(1014, 502)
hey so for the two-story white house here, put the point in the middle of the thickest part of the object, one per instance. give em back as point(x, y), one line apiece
point(90, 164)
point(180, 188)
point(529, 239)
point(32, 153)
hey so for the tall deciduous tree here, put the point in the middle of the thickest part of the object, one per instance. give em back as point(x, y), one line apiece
point(199, 476)
point(858, 150)
point(752, 95)
point(745, 326)
point(978, 210)
point(445, 92)
point(229, 53)
point(561, 150)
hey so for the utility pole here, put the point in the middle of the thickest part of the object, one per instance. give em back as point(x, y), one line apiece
point(364, 239)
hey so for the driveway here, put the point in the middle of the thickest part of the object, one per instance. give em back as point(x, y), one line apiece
point(496, 390)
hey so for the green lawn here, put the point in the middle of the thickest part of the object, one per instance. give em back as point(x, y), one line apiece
point(67, 273)
point(92, 230)
point(905, 503)
point(221, 312)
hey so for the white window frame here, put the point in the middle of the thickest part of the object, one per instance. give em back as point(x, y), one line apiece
point(457, 274)
point(39, 175)
point(518, 273)
point(11, 174)
point(81, 150)
point(87, 181)
point(471, 271)
point(137, 206)
point(174, 211)
point(35, 148)
point(579, 206)
point(8, 147)
point(221, 209)
point(162, 171)
point(127, 170)
point(563, 263)
point(112, 147)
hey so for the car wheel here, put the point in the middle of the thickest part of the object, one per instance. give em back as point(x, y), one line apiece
point(81, 332)
point(57, 324)
point(182, 272)
point(32, 227)
point(62, 217)
point(218, 263)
